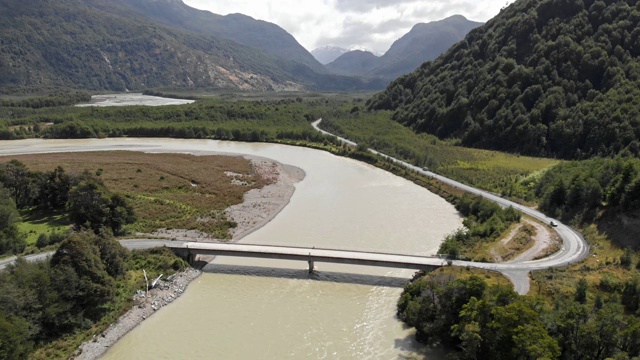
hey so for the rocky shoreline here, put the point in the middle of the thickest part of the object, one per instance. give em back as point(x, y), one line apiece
point(146, 305)
point(258, 208)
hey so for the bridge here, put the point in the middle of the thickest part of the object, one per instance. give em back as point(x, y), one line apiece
point(312, 255)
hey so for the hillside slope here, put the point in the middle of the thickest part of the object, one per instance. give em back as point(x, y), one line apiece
point(106, 46)
point(101, 46)
point(544, 77)
point(239, 28)
point(356, 62)
point(425, 41)
point(328, 54)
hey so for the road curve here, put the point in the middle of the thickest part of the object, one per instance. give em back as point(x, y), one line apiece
point(574, 247)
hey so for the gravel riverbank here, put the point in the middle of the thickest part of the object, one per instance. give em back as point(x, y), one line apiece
point(145, 305)
point(258, 208)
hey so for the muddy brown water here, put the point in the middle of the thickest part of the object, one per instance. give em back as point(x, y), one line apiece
point(273, 309)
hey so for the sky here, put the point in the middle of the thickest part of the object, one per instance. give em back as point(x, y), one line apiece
point(361, 24)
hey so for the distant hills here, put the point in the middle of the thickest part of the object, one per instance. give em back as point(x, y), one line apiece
point(354, 63)
point(138, 44)
point(551, 78)
point(425, 41)
point(328, 54)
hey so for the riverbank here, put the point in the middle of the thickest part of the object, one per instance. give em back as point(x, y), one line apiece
point(259, 206)
point(146, 305)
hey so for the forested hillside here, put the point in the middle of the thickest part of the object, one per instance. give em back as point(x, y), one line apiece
point(97, 45)
point(239, 28)
point(425, 41)
point(545, 77)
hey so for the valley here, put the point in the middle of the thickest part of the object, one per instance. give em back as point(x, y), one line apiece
point(507, 146)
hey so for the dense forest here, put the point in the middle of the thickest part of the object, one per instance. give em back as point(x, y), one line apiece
point(89, 277)
point(268, 120)
point(604, 191)
point(558, 78)
point(494, 322)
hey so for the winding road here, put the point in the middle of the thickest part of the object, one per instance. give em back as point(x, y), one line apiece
point(574, 247)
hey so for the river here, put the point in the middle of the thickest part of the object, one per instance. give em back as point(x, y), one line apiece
point(272, 309)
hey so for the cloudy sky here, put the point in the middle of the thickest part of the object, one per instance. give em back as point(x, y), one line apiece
point(368, 24)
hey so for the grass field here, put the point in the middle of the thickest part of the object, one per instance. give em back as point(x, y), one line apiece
point(173, 191)
point(37, 222)
point(508, 174)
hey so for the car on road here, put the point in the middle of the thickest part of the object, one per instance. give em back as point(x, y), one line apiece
point(553, 223)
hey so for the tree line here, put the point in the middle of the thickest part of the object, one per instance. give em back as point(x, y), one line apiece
point(478, 321)
point(253, 121)
point(83, 196)
point(52, 100)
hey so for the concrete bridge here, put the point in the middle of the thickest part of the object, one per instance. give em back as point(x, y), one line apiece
point(311, 255)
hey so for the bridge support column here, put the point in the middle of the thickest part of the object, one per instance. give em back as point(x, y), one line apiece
point(311, 266)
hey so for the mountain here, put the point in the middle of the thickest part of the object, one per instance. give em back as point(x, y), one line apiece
point(425, 41)
point(327, 54)
point(109, 46)
point(356, 62)
point(545, 77)
point(239, 28)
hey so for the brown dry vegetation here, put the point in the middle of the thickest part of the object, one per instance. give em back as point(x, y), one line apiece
point(490, 277)
point(518, 241)
point(160, 187)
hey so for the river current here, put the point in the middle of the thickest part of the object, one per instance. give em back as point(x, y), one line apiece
point(273, 309)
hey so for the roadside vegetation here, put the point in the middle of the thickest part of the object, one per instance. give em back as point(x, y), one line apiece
point(509, 175)
point(596, 195)
point(52, 307)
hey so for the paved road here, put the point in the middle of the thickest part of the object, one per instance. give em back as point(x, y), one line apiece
point(401, 261)
point(574, 247)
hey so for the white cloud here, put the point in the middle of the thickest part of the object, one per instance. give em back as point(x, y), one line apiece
point(371, 24)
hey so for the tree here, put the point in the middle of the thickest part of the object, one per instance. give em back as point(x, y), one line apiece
point(89, 205)
point(120, 214)
point(16, 178)
point(15, 341)
point(80, 275)
point(11, 240)
point(92, 206)
point(581, 291)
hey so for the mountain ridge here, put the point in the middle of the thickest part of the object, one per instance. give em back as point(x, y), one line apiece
point(106, 46)
point(424, 42)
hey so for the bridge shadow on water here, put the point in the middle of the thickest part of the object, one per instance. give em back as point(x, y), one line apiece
point(300, 274)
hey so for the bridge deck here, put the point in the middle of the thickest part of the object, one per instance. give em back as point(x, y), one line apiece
point(309, 254)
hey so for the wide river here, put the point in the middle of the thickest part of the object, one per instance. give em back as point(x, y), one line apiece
point(273, 309)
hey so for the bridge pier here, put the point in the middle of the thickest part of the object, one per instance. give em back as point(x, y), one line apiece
point(311, 266)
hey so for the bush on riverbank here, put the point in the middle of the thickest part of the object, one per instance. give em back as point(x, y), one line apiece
point(484, 221)
point(478, 321)
point(88, 283)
